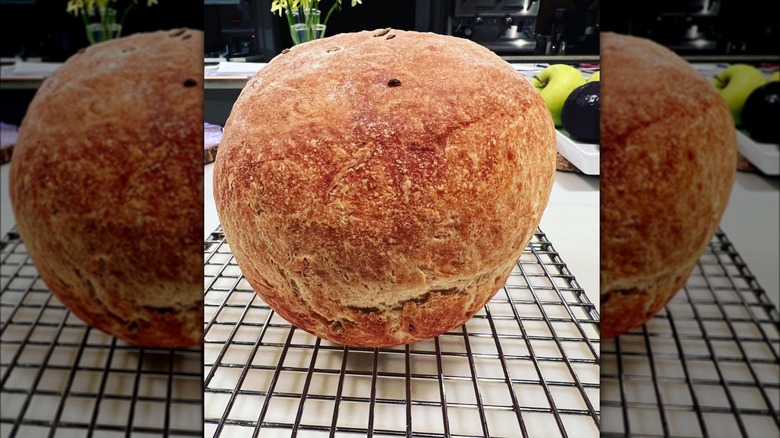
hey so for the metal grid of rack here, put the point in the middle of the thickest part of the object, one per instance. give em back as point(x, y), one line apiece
point(61, 377)
point(706, 365)
point(526, 365)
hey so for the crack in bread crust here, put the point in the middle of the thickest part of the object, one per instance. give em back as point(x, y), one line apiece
point(398, 323)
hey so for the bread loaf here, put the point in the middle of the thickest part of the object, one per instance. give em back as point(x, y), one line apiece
point(668, 162)
point(376, 188)
point(106, 184)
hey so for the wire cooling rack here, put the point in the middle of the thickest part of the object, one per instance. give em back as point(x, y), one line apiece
point(62, 378)
point(706, 365)
point(526, 365)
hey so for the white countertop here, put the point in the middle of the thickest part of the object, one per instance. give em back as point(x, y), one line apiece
point(752, 224)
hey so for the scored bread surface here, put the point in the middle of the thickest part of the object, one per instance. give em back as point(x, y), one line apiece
point(376, 188)
point(107, 186)
point(668, 162)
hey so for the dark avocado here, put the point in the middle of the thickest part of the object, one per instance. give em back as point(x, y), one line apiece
point(761, 113)
point(580, 113)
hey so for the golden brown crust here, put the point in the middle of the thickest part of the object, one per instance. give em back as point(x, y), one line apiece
point(107, 186)
point(668, 161)
point(373, 212)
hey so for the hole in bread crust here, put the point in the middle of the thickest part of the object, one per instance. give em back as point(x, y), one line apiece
point(450, 291)
point(363, 309)
point(606, 297)
point(190, 83)
point(160, 310)
point(411, 328)
point(294, 286)
point(337, 328)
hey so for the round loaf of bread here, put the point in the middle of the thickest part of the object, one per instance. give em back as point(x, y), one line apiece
point(106, 184)
point(668, 162)
point(377, 188)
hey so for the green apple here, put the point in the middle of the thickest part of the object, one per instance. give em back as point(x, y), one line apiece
point(735, 83)
point(775, 77)
point(595, 76)
point(555, 83)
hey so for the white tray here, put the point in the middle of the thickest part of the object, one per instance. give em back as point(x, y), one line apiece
point(765, 156)
point(584, 156)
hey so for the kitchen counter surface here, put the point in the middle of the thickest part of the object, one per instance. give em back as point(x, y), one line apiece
point(234, 75)
point(752, 224)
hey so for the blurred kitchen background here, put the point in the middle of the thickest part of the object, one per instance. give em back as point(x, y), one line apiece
point(718, 30)
point(516, 28)
point(44, 30)
point(40, 32)
point(521, 31)
point(245, 30)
